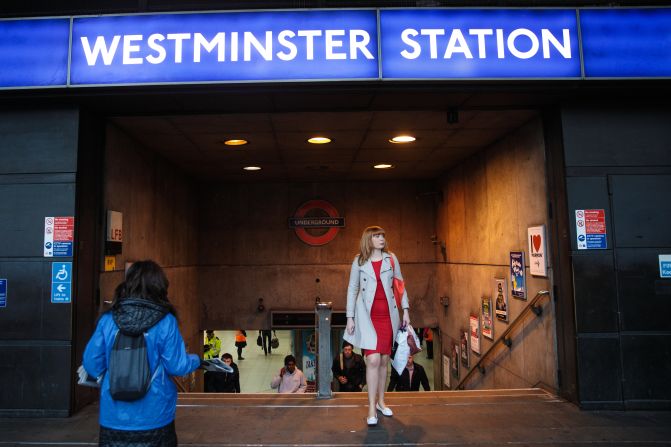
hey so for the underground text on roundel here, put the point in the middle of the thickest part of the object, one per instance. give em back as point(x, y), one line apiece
point(241, 46)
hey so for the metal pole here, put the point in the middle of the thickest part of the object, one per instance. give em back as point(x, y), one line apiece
point(324, 356)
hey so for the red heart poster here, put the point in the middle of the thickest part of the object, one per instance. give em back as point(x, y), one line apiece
point(536, 240)
point(537, 256)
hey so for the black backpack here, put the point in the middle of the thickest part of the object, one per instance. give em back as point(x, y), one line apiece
point(129, 373)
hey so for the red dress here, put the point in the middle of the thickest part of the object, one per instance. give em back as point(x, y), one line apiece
point(379, 314)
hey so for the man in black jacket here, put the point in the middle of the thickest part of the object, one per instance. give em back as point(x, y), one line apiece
point(349, 369)
point(412, 376)
point(227, 382)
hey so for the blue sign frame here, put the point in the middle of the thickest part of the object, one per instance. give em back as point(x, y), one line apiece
point(34, 52)
point(626, 43)
point(336, 45)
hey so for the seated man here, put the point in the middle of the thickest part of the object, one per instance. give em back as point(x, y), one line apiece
point(412, 376)
point(349, 369)
point(290, 379)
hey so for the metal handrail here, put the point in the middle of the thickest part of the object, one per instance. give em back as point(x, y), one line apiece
point(533, 307)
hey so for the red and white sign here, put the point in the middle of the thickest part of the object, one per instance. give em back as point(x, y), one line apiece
point(59, 235)
point(591, 230)
point(316, 215)
point(475, 333)
point(537, 258)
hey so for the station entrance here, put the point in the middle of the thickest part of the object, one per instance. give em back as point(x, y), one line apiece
point(210, 197)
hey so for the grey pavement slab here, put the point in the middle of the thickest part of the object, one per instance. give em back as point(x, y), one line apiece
point(530, 417)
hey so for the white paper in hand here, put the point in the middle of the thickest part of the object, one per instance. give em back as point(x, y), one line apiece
point(84, 379)
point(216, 365)
point(402, 351)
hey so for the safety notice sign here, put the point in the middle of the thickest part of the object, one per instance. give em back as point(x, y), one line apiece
point(590, 226)
point(59, 235)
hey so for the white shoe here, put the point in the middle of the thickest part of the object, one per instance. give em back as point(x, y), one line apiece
point(386, 410)
point(371, 421)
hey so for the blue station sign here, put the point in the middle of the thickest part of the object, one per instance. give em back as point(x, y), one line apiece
point(467, 44)
point(332, 45)
point(216, 47)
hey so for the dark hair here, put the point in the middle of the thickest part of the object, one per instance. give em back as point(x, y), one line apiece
point(226, 355)
point(145, 280)
point(346, 344)
point(288, 359)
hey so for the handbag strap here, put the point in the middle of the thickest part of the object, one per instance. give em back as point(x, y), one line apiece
point(393, 274)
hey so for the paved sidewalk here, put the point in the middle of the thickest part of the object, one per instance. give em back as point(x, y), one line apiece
point(531, 418)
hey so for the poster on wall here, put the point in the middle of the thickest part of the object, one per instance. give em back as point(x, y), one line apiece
point(455, 360)
point(475, 334)
point(590, 229)
point(309, 345)
point(447, 371)
point(463, 348)
point(487, 318)
point(537, 259)
point(501, 299)
point(518, 288)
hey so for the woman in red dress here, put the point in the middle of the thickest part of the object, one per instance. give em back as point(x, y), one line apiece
point(372, 313)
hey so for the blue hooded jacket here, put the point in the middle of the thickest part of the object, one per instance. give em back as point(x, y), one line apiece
point(165, 350)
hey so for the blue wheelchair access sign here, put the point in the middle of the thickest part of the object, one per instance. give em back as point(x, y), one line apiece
point(61, 282)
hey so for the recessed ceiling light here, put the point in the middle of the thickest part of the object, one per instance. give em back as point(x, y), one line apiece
point(252, 168)
point(402, 139)
point(383, 166)
point(319, 140)
point(235, 142)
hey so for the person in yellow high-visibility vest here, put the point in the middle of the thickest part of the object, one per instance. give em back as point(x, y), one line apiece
point(212, 345)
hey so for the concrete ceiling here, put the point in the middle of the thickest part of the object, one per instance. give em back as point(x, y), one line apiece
point(277, 143)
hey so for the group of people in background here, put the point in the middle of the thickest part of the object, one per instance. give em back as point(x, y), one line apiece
point(349, 373)
point(141, 308)
point(216, 381)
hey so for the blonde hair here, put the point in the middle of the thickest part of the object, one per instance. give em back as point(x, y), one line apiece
point(366, 244)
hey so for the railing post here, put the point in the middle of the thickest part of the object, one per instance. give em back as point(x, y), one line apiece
point(324, 356)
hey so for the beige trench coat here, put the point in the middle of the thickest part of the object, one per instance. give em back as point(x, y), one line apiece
point(360, 295)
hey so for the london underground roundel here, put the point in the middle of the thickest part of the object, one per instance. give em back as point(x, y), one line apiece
point(316, 222)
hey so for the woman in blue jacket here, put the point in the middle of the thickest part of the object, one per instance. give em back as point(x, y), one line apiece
point(141, 306)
